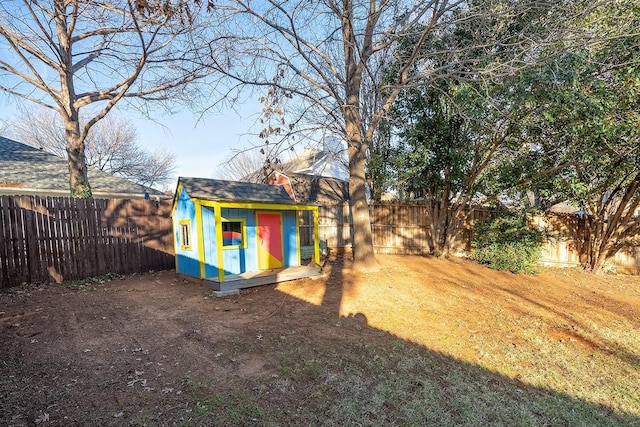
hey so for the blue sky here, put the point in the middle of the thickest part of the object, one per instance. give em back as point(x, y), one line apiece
point(200, 145)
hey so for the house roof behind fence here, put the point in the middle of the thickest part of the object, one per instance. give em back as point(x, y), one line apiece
point(29, 170)
point(310, 188)
point(234, 191)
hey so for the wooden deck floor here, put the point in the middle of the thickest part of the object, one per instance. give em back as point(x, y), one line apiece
point(258, 278)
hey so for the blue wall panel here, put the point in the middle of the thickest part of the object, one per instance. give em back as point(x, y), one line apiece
point(290, 243)
point(187, 259)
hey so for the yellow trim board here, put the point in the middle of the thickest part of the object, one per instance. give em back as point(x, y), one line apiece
point(176, 197)
point(256, 205)
point(316, 238)
point(217, 213)
point(298, 238)
point(201, 259)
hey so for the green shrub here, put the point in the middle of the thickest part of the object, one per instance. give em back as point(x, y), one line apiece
point(507, 243)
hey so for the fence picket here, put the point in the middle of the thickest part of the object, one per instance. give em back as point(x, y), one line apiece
point(20, 270)
point(4, 256)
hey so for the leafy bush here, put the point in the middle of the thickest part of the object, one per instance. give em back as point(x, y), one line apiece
point(507, 243)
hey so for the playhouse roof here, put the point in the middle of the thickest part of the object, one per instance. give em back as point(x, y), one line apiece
point(234, 191)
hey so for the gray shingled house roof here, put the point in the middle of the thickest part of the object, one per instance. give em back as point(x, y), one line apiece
point(234, 191)
point(318, 189)
point(315, 176)
point(310, 188)
point(32, 171)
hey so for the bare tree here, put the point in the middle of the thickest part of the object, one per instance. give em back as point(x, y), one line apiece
point(67, 55)
point(263, 157)
point(111, 145)
point(333, 52)
point(240, 164)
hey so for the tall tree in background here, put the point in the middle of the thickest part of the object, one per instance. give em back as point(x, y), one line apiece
point(66, 55)
point(335, 51)
point(111, 146)
point(452, 135)
point(585, 135)
point(382, 170)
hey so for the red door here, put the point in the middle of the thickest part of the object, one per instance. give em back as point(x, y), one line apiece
point(270, 253)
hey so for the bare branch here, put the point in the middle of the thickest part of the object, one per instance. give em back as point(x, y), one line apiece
point(111, 146)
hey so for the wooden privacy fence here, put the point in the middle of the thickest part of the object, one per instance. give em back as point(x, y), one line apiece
point(45, 238)
point(403, 228)
point(566, 238)
point(398, 228)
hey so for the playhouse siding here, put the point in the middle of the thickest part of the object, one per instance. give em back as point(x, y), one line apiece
point(258, 211)
point(236, 260)
point(187, 261)
point(210, 248)
point(240, 260)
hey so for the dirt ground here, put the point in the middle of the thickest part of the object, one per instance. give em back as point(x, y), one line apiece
point(136, 348)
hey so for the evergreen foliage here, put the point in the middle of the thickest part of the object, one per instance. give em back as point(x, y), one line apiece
point(507, 243)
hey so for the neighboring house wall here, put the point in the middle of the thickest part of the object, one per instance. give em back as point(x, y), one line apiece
point(306, 188)
point(313, 176)
point(319, 189)
point(329, 162)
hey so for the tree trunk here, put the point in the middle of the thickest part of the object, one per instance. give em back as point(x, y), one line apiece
point(78, 179)
point(596, 250)
point(445, 228)
point(438, 226)
point(362, 239)
point(596, 264)
point(597, 258)
point(364, 258)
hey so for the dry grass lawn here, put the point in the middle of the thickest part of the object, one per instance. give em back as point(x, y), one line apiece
point(423, 342)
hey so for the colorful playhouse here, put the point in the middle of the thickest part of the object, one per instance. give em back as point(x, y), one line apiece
point(236, 235)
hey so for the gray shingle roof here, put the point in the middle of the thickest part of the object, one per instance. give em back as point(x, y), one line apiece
point(234, 191)
point(303, 161)
point(318, 189)
point(310, 188)
point(23, 167)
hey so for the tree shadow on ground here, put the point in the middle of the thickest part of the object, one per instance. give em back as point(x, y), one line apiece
point(367, 376)
point(152, 350)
